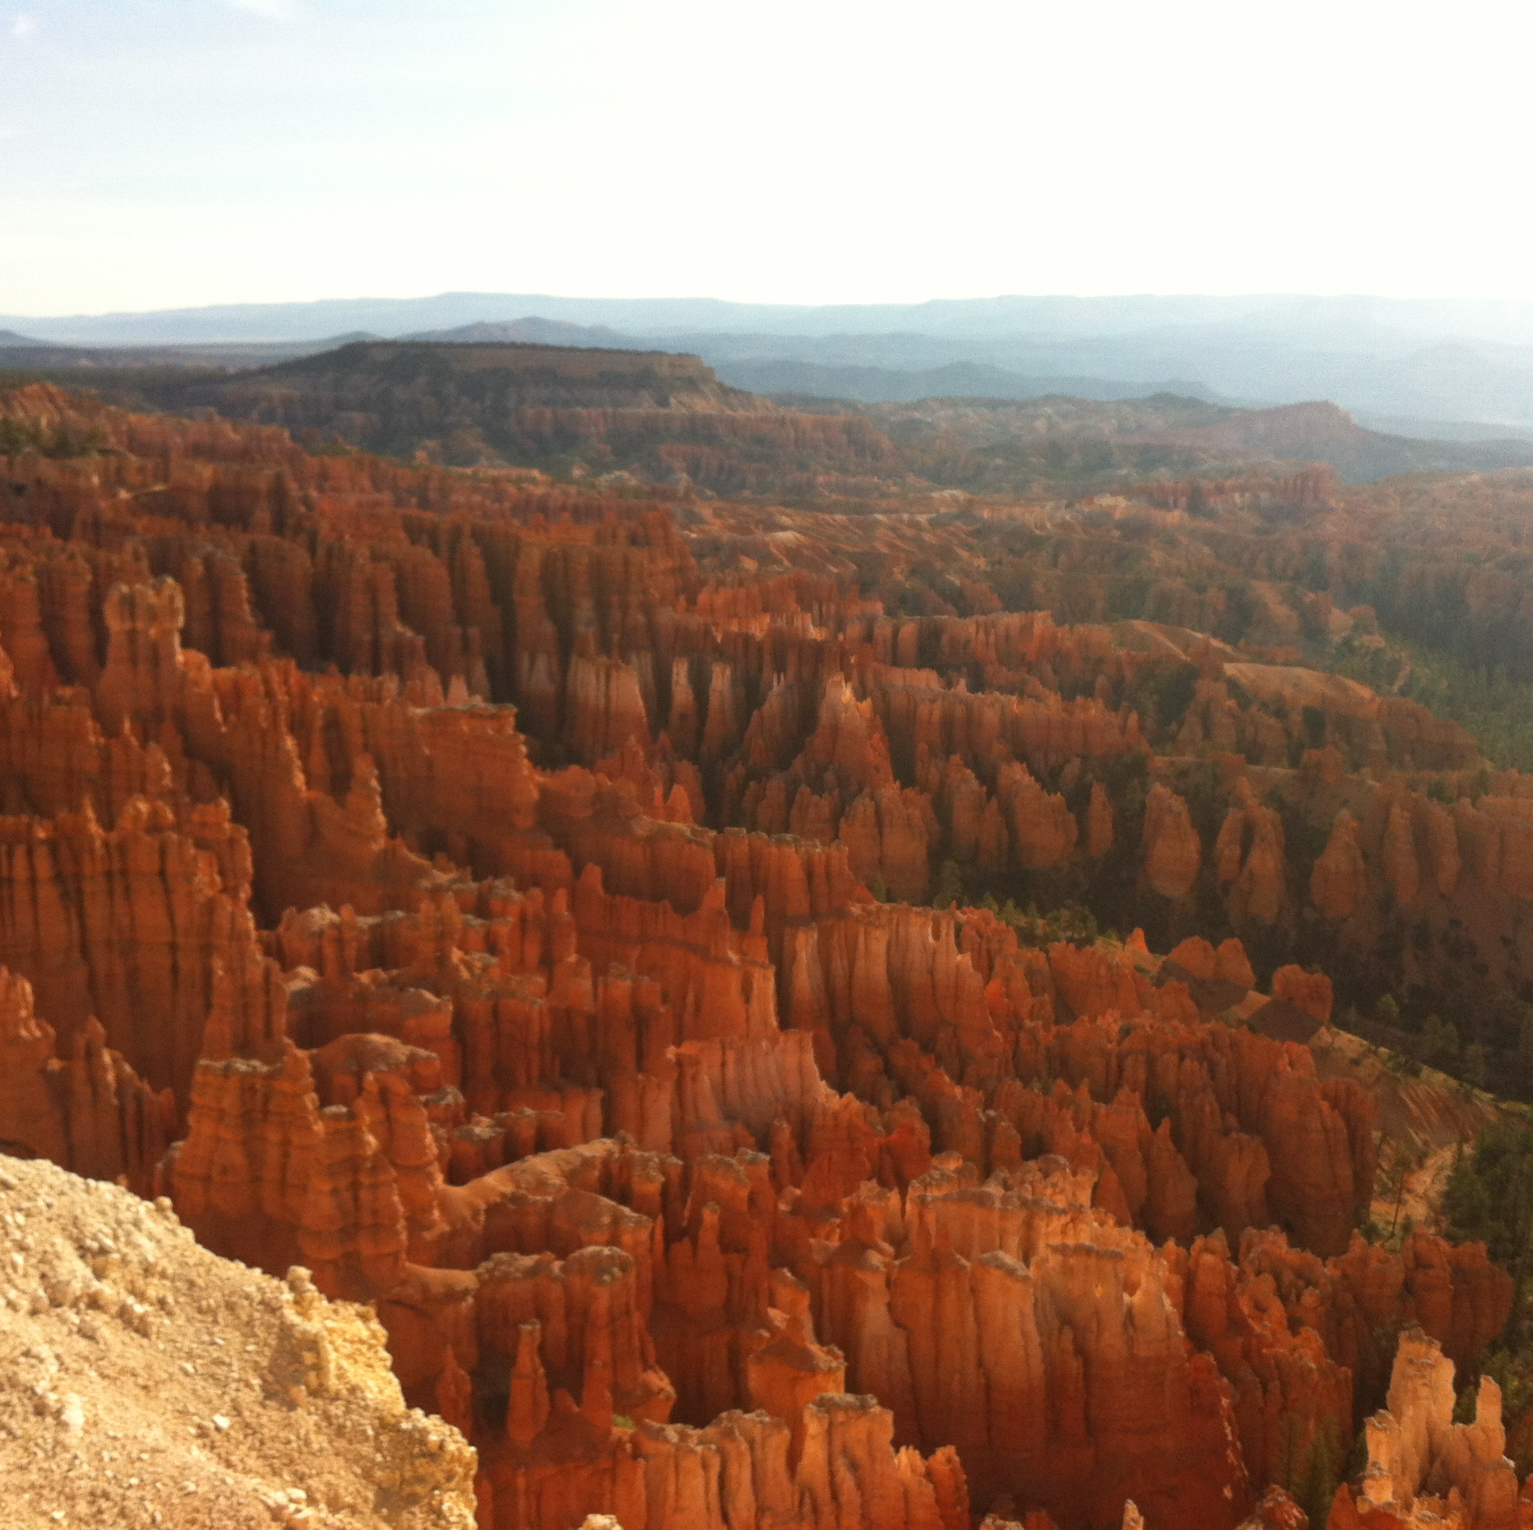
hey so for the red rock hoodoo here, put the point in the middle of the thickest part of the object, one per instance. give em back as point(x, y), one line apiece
point(516, 909)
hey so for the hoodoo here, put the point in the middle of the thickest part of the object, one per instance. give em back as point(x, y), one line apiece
point(613, 1009)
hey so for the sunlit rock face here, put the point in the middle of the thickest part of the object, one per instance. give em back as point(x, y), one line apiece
point(513, 905)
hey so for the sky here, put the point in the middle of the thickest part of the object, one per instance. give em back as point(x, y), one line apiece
point(170, 153)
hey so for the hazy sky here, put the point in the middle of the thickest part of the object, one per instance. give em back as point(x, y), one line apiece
point(159, 153)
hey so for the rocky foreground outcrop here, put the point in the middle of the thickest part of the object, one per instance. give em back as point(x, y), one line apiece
point(146, 1382)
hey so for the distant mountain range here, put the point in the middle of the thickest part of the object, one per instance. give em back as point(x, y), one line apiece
point(1424, 368)
point(1339, 321)
point(492, 396)
point(774, 365)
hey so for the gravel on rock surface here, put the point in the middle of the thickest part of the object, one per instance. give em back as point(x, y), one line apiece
point(146, 1384)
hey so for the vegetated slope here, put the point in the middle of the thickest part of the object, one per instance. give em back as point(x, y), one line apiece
point(1320, 432)
point(145, 1381)
point(104, 363)
point(957, 379)
point(992, 446)
point(536, 331)
point(596, 929)
point(657, 417)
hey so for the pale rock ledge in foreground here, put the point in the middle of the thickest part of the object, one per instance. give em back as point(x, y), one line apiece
point(145, 1382)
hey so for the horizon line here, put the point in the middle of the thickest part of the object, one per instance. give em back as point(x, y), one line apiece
point(870, 303)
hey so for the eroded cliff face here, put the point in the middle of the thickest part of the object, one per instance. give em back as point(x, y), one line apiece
point(451, 889)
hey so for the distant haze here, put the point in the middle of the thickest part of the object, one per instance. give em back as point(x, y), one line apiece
point(178, 153)
point(1426, 368)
